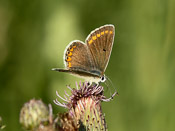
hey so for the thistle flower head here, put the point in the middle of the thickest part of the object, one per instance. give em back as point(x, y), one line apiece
point(84, 106)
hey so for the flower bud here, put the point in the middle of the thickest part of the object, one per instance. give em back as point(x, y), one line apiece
point(33, 113)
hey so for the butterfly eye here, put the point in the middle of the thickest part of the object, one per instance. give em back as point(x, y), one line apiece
point(103, 79)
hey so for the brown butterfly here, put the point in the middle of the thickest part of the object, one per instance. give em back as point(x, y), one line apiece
point(90, 59)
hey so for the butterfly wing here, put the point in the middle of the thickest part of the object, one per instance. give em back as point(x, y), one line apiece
point(100, 42)
point(78, 60)
point(90, 59)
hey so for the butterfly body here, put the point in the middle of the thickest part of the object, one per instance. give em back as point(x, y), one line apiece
point(89, 60)
point(90, 76)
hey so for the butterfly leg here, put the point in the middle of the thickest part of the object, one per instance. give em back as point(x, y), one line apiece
point(110, 98)
point(89, 84)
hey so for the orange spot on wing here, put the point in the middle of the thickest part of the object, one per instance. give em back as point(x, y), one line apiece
point(69, 64)
point(94, 37)
point(98, 35)
point(69, 59)
point(106, 31)
point(90, 42)
point(110, 32)
point(74, 46)
point(102, 33)
point(70, 54)
point(71, 49)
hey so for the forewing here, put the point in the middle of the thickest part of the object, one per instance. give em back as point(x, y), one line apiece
point(78, 57)
point(100, 42)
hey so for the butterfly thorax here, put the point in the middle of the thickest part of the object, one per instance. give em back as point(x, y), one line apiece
point(95, 76)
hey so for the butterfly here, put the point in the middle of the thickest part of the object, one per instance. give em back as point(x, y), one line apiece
point(90, 59)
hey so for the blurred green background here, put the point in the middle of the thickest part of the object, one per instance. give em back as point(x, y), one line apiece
point(34, 34)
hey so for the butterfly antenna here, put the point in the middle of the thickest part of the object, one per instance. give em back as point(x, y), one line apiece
point(108, 79)
point(107, 84)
